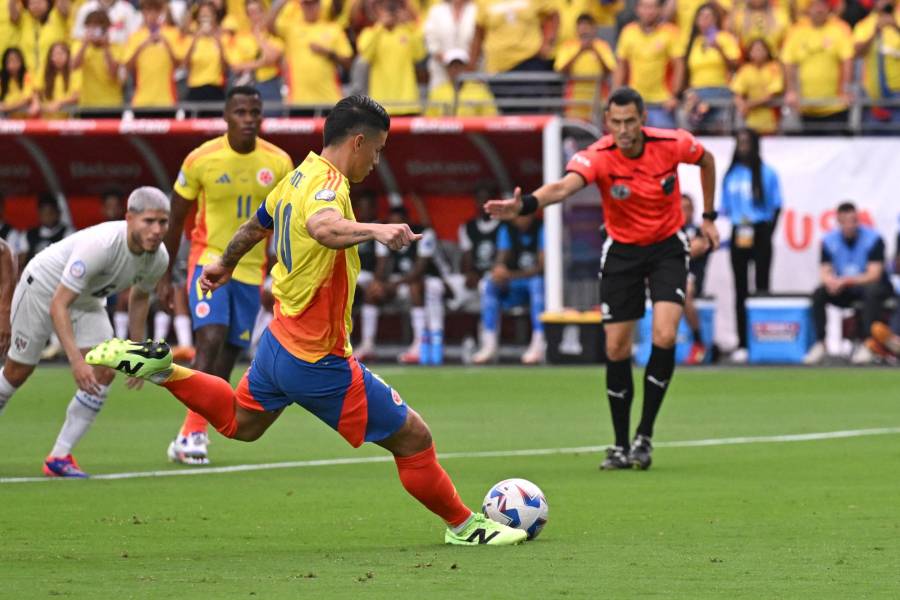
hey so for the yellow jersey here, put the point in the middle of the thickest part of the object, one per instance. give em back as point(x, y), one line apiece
point(754, 83)
point(206, 64)
point(648, 56)
point(587, 64)
point(512, 30)
point(242, 48)
point(154, 68)
point(819, 54)
point(392, 55)
point(35, 38)
point(99, 87)
point(885, 47)
point(60, 92)
point(312, 78)
point(16, 94)
point(706, 67)
point(9, 32)
point(749, 25)
point(686, 11)
point(229, 187)
point(474, 100)
point(313, 285)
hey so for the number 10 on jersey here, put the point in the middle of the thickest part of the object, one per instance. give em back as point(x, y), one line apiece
point(243, 206)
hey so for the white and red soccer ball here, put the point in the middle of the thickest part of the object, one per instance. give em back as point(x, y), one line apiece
point(517, 503)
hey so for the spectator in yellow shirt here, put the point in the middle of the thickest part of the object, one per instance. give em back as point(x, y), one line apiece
point(818, 59)
point(40, 25)
point(205, 60)
point(711, 57)
point(10, 13)
point(152, 55)
point(647, 50)
point(60, 85)
point(457, 97)
point(313, 52)
point(756, 85)
point(759, 19)
point(516, 36)
point(254, 55)
point(585, 56)
point(877, 42)
point(602, 11)
point(17, 97)
point(391, 48)
point(98, 62)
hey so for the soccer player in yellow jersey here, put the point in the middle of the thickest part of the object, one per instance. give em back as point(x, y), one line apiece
point(304, 357)
point(228, 178)
point(646, 50)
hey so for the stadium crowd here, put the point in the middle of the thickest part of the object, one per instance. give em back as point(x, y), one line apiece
point(696, 63)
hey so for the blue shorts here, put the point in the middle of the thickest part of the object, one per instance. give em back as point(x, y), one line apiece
point(340, 391)
point(235, 304)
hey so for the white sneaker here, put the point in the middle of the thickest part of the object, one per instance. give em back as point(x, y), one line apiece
point(488, 352)
point(364, 352)
point(739, 356)
point(534, 354)
point(815, 355)
point(190, 449)
point(862, 356)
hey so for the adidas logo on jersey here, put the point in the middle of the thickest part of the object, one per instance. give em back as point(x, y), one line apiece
point(223, 179)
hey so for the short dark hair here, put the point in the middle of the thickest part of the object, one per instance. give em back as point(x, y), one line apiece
point(625, 96)
point(48, 199)
point(846, 206)
point(399, 209)
point(351, 115)
point(241, 90)
point(585, 18)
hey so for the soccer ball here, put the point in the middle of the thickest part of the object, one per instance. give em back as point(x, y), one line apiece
point(517, 503)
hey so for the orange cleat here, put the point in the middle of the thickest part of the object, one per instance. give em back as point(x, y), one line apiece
point(184, 354)
point(697, 354)
point(886, 338)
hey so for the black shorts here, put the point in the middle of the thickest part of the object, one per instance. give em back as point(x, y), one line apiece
point(627, 271)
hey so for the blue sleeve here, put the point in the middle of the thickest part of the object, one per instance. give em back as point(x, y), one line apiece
point(503, 241)
point(541, 238)
point(265, 219)
point(825, 258)
point(725, 208)
point(773, 189)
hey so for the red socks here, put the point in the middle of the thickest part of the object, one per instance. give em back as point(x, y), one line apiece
point(193, 422)
point(425, 479)
point(207, 395)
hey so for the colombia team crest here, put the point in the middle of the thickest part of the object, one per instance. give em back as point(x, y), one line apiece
point(265, 176)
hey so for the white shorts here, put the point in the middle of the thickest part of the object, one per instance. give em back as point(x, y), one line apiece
point(31, 325)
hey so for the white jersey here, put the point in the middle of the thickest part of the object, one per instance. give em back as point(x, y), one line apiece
point(96, 263)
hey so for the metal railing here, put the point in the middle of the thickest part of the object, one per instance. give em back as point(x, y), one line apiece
point(544, 93)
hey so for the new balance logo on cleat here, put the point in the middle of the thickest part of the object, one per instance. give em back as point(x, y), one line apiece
point(126, 367)
point(223, 179)
point(481, 535)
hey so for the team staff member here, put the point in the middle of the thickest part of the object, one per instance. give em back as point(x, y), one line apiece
point(229, 178)
point(636, 170)
point(305, 357)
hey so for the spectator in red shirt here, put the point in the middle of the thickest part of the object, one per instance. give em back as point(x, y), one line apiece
point(636, 170)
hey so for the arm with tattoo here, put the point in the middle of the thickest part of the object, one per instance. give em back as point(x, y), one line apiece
point(248, 235)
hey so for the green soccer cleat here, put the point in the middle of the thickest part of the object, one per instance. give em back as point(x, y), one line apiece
point(481, 530)
point(135, 359)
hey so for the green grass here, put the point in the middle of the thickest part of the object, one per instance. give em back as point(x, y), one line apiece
point(817, 519)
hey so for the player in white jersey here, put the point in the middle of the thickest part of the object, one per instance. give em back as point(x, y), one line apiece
point(70, 281)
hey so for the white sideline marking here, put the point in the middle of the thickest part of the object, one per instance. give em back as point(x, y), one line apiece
point(328, 462)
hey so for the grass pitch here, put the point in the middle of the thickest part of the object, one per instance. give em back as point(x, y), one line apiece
point(810, 519)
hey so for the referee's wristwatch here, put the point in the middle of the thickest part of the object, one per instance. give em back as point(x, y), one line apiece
point(711, 215)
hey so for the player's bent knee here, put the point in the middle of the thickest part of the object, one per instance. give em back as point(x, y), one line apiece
point(412, 437)
point(104, 375)
point(618, 352)
point(16, 373)
point(664, 338)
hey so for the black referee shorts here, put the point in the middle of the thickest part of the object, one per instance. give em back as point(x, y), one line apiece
point(628, 271)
